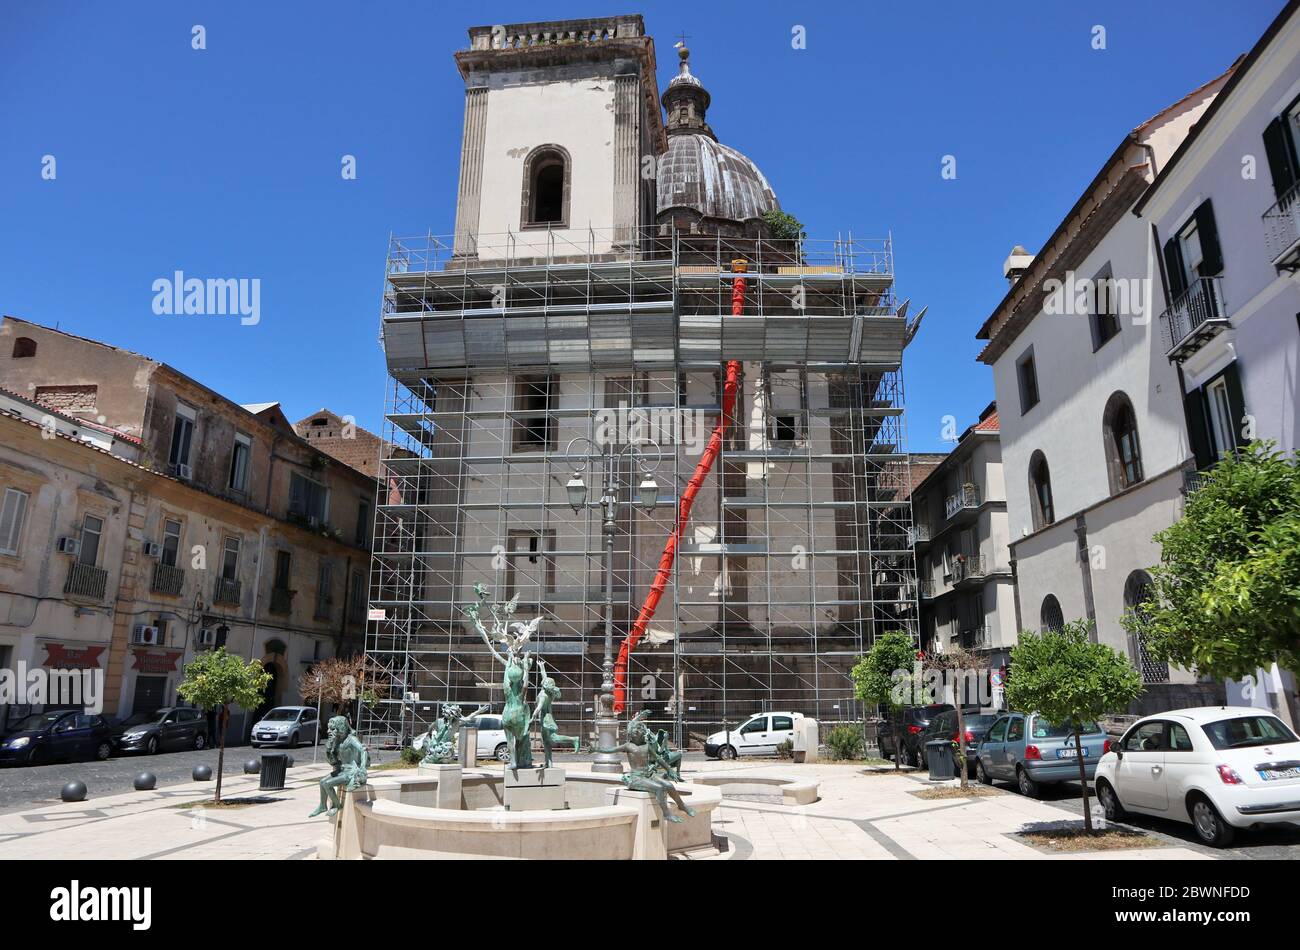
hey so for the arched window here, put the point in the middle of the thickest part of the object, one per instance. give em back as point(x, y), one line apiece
point(1040, 491)
point(547, 174)
point(1123, 453)
point(1050, 616)
point(1137, 590)
point(24, 347)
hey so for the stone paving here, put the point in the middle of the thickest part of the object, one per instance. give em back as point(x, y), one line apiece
point(858, 815)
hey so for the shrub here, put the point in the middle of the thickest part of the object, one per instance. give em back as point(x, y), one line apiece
point(785, 750)
point(845, 742)
point(410, 755)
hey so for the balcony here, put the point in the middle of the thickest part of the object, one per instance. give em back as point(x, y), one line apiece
point(926, 590)
point(167, 580)
point(86, 580)
point(969, 568)
point(281, 600)
point(975, 638)
point(1193, 480)
point(226, 591)
point(966, 499)
point(918, 534)
point(1282, 231)
point(1195, 318)
point(324, 609)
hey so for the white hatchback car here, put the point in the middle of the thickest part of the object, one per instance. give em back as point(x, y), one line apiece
point(1217, 767)
point(491, 738)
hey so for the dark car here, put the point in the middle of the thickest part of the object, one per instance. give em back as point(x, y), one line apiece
point(171, 727)
point(976, 724)
point(60, 734)
point(915, 720)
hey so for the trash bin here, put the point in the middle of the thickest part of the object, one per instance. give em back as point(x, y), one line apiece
point(938, 756)
point(274, 767)
point(468, 748)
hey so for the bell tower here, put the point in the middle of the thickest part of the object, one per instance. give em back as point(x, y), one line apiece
point(559, 119)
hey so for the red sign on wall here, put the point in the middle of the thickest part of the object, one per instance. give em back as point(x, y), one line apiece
point(155, 661)
point(72, 656)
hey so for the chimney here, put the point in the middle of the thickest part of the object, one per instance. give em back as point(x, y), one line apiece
point(1016, 264)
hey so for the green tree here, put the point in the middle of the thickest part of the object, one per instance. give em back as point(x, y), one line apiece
point(783, 226)
point(1225, 598)
point(1062, 675)
point(967, 668)
point(884, 677)
point(216, 679)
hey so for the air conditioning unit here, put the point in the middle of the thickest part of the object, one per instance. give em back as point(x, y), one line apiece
point(69, 546)
point(207, 637)
point(184, 472)
point(144, 635)
point(152, 549)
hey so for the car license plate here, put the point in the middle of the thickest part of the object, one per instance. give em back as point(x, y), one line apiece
point(1274, 775)
point(1071, 753)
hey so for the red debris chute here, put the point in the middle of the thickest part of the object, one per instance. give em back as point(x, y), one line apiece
point(684, 504)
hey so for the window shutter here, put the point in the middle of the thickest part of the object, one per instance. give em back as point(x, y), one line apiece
point(11, 519)
point(1236, 402)
point(1174, 269)
point(1194, 403)
point(1211, 253)
point(1281, 156)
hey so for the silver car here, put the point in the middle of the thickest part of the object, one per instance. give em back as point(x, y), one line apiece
point(1029, 750)
point(285, 725)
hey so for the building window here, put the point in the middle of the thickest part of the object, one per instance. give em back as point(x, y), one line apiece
point(531, 569)
point(357, 598)
point(1123, 453)
point(324, 599)
point(230, 559)
point(1137, 591)
point(239, 456)
point(24, 348)
point(1027, 375)
point(182, 437)
point(534, 428)
point(92, 529)
point(363, 523)
point(1040, 491)
point(171, 543)
point(546, 188)
point(283, 564)
point(1193, 252)
point(13, 513)
point(308, 500)
point(1104, 312)
point(1281, 138)
point(1050, 616)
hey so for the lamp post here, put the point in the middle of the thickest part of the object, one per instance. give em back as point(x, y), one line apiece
point(648, 493)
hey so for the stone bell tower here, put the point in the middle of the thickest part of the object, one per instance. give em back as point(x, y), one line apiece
point(561, 118)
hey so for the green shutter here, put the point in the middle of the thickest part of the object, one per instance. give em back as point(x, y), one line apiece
point(1197, 434)
point(1236, 402)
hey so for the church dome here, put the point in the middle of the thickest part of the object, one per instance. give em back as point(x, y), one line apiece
point(697, 172)
point(713, 179)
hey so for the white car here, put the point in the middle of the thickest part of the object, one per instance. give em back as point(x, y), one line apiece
point(760, 734)
point(491, 738)
point(1218, 768)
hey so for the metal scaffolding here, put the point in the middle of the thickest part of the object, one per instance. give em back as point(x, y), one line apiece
point(797, 553)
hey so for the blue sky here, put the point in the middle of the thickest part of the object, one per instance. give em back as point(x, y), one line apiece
point(225, 162)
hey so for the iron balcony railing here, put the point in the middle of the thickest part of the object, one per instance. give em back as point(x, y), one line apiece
point(975, 638)
point(226, 591)
point(1195, 317)
point(967, 497)
point(167, 580)
point(971, 566)
point(918, 534)
point(926, 589)
point(281, 600)
point(1282, 230)
point(86, 580)
point(1193, 480)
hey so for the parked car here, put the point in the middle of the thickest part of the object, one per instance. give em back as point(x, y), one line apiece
point(760, 734)
point(1027, 749)
point(285, 725)
point(60, 734)
point(491, 738)
point(915, 720)
point(1219, 768)
point(944, 726)
point(171, 727)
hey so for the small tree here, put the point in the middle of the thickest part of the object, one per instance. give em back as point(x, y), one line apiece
point(961, 662)
point(341, 681)
point(214, 680)
point(884, 677)
point(1225, 599)
point(1063, 676)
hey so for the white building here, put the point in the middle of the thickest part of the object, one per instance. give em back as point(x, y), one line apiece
point(1094, 444)
point(1225, 215)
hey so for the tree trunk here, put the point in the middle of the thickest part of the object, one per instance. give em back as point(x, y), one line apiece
point(960, 754)
point(222, 719)
point(898, 740)
point(1083, 780)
